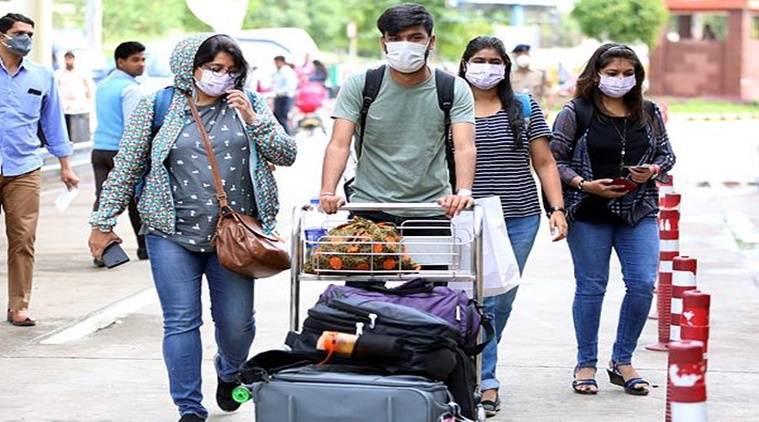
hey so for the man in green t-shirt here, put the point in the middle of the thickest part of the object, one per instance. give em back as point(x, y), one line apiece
point(403, 151)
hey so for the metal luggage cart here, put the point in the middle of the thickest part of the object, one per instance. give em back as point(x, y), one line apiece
point(453, 257)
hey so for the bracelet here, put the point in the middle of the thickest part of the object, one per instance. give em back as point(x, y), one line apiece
point(555, 209)
point(464, 192)
point(579, 185)
point(326, 194)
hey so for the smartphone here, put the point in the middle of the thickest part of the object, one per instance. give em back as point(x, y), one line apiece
point(114, 255)
point(643, 167)
point(629, 185)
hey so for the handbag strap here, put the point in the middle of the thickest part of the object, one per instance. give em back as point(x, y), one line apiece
point(220, 194)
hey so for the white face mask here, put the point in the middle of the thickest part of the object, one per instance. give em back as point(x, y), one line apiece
point(616, 87)
point(406, 57)
point(215, 84)
point(523, 61)
point(485, 75)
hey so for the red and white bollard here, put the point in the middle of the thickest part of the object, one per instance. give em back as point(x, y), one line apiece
point(670, 201)
point(694, 321)
point(683, 279)
point(669, 220)
point(686, 382)
point(669, 244)
point(665, 188)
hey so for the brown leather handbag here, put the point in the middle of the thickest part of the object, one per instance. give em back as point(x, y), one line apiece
point(241, 244)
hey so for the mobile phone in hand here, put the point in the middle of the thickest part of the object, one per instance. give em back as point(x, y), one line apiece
point(114, 255)
point(628, 185)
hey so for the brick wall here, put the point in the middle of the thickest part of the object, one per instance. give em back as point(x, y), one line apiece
point(695, 68)
point(750, 82)
point(750, 73)
point(689, 68)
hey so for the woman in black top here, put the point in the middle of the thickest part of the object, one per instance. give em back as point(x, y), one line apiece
point(611, 145)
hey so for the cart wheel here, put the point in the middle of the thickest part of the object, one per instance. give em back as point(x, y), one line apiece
point(240, 394)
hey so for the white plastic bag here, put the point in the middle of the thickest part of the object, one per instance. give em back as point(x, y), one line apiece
point(500, 269)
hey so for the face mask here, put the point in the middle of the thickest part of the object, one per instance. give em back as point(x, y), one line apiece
point(615, 87)
point(484, 75)
point(406, 57)
point(215, 84)
point(523, 61)
point(19, 45)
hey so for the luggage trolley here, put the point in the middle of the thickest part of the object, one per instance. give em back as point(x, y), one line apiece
point(450, 258)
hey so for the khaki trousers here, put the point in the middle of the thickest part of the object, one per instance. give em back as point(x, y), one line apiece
point(20, 201)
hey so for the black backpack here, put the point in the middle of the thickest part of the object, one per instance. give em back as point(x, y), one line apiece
point(444, 84)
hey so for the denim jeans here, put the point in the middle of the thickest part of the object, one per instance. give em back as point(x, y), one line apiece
point(177, 274)
point(522, 232)
point(638, 250)
point(282, 106)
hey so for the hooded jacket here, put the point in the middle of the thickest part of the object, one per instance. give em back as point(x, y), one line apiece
point(139, 148)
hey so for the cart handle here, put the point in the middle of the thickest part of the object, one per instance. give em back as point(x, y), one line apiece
point(399, 206)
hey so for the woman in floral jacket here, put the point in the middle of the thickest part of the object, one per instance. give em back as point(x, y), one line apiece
point(179, 208)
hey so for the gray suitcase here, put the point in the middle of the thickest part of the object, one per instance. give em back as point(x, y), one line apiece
point(311, 394)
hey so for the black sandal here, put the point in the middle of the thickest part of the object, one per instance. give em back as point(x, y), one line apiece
point(27, 322)
point(576, 384)
point(631, 386)
point(491, 407)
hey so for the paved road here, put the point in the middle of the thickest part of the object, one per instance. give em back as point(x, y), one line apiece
point(116, 374)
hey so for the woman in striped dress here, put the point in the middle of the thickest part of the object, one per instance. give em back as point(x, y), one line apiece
point(511, 134)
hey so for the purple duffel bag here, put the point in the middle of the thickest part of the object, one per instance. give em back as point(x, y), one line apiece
point(454, 306)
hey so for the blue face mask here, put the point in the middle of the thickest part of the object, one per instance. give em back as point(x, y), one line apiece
point(19, 45)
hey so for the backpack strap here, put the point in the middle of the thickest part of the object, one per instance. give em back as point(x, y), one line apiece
point(372, 84)
point(444, 84)
point(584, 111)
point(650, 109)
point(163, 100)
point(161, 107)
point(525, 105)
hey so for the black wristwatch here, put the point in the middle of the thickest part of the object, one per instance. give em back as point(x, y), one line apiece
point(554, 209)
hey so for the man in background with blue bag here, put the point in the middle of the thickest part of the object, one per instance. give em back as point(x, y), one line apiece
point(115, 99)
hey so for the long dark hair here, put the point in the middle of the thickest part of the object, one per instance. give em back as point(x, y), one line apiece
point(587, 82)
point(505, 92)
point(223, 43)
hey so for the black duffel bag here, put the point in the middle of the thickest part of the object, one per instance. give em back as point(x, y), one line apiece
point(395, 338)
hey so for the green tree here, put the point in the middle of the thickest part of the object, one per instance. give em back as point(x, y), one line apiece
point(624, 21)
point(147, 19)
point(326, 21)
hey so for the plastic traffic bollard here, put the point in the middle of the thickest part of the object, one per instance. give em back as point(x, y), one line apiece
point(686, 382)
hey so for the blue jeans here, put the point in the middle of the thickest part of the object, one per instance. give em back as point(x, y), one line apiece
point(282, 106)
point(177, 274)
point(638, 250)
point(522, 232)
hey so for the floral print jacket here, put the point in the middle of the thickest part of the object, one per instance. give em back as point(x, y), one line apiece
point(139, 148)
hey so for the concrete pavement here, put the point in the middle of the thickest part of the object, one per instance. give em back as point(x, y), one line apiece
point(117, 374)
